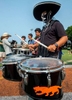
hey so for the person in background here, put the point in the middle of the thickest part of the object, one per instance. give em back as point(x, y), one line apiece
point(34, 47)
point(23, 45)
point(23, 38)
point(2, 51)
point(14, 43)
point(7, 46)
point(30, 41)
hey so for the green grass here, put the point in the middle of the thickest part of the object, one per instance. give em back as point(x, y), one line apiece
point(0, 64)
point(68, 63)
point(66, 55)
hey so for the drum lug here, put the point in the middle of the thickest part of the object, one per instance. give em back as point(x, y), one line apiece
point(49, 80)
point(26, 78)
point(3, 69)
point(63, 74)
point(17, 67)
point(20, 73)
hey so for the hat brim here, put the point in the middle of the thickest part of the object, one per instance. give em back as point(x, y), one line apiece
point(45, 6)
point(7, 36)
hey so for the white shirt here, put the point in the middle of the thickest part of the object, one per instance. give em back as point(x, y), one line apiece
point(7, 45)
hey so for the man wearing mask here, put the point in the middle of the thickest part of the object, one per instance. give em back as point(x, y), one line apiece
point(53, 34)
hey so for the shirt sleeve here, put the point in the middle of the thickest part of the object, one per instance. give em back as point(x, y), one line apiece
point(60, 30)
point(6, 42)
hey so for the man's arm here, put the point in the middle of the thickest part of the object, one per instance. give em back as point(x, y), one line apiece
point(59, 43)
point(7, 43)
point(62, 37)
point(62, 41)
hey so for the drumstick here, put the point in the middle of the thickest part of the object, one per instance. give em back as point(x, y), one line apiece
point(40, 43)
point(21, 38)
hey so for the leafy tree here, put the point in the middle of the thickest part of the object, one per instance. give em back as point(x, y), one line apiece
point(69, 32)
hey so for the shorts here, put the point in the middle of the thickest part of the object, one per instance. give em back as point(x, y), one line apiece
point(2, 54)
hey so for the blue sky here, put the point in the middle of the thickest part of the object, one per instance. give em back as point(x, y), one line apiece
point(16, 16)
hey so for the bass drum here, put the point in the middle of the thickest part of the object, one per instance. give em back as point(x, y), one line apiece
point(10, 66)
point(42, 78)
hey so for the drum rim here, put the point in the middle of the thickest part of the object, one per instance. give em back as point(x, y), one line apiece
point(43, 69)
point(9, 63)
point(15, 60)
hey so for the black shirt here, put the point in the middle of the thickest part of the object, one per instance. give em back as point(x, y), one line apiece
point(50, 35)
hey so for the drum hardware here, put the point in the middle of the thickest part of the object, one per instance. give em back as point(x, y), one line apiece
point(40, 56)
point(20, 73)
point(63, 74)
point(49, 79)
point(26, 78)
point(3, 69)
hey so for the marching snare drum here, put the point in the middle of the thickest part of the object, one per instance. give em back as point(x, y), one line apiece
point(10, 67)
point(15, 50)
point(42, 78)
point(23, 51)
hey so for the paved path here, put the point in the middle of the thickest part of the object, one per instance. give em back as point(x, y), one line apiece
point(66, 96)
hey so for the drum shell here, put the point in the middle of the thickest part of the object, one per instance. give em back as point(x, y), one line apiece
point(41, 80)
point(37, 76)
point(10, 72)
point(10, 67)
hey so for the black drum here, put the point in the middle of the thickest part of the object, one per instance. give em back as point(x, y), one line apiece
point(10, 66)
point(15, 50)
point(42, 78)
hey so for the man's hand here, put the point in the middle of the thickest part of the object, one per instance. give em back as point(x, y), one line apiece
point(31, 45)
point(51, 48)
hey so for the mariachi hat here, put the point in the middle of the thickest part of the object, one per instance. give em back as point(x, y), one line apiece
point(6, 35)
point(45, 6)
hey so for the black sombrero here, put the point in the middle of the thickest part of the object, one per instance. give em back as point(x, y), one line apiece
point(45, 6)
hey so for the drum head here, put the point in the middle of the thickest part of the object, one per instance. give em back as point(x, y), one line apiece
point(14, 59)
point(41, 64)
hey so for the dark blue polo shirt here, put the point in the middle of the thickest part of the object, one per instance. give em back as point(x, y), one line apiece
point(49, 36)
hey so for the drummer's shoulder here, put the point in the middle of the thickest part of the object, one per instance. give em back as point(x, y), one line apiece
point(57, 23)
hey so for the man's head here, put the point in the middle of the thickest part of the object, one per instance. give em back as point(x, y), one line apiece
point(6, 35)
point(46, 16)
point(23, 37)
point(47, 6)
point(30, 36)
point(37, 32)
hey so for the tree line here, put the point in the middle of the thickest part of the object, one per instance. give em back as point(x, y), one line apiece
point(69, 34)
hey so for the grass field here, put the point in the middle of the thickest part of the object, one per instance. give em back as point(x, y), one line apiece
point(0, 64)
point(67, 56)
